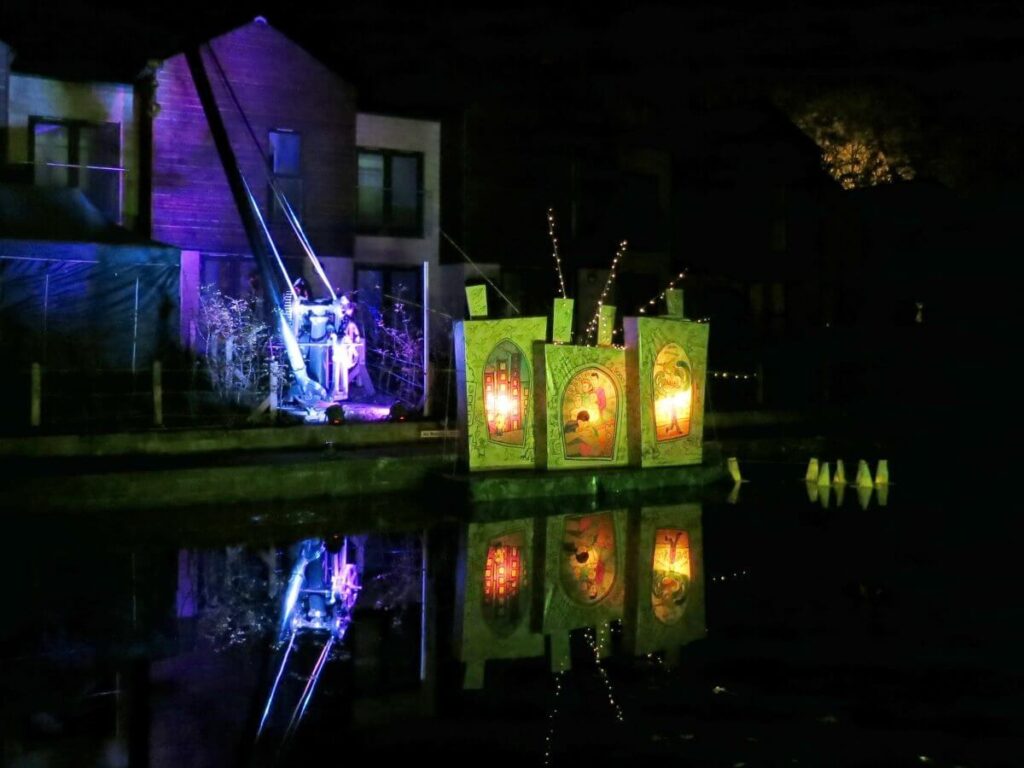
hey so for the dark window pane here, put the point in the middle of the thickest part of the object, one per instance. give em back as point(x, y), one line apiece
point(405, 192)
point(99, 149)
point(371, 189)
point(286, 153)
point(51, 146)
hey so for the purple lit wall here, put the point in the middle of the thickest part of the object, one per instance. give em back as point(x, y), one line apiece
point(280, 86)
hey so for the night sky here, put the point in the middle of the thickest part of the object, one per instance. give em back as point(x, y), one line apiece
point(944, 74)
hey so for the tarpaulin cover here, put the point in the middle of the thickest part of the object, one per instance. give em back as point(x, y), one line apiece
point(87, 305)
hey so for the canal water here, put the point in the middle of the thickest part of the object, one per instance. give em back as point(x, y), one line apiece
point(773, 624)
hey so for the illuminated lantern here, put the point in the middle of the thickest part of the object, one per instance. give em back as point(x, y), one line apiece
point(495, 385)
point(665, 594)
point(506, 393)
point(585, 411)
point(589, 560)
point(504, 579)
point(493, 597)
point(585, 576)
point(667, 369)
point(672, 387)
point(670, 574)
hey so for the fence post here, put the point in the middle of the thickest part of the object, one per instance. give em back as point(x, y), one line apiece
point(158, 394)
point(273, 388)
point(35, 415)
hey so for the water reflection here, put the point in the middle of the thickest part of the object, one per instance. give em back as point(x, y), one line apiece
point(568, 631)
point(317, 605)
point(640, 570)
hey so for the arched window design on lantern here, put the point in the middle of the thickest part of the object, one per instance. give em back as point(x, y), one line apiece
point(506, 392)
point(673, 393)
point(670, 574)
point(587, 559)
point(504, 587)
point(590, 415)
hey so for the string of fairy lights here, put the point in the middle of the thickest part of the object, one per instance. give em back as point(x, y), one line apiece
point(596, 647)
point(671, 285)
point(550, 736)
point(554, 249)
point(594, 324)
point(595, 321)
point(732, 375)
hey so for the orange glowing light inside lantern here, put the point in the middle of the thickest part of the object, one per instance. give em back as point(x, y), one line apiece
point(672, 413)
point(503, 574)
point(672, 553)
point(504, 394)
point(670, 574)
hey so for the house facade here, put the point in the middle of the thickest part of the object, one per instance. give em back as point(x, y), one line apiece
point(141, 156)
point(77, 135)
point(365, 187)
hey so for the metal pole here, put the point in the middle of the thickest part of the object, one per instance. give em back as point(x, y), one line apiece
point(135, 325)
point(426, 338)
point(273, 387)
point(424, 596)
point(307, 692)
point(35, 416)
point(277, 680)
point(46, 310)
point(158, 395)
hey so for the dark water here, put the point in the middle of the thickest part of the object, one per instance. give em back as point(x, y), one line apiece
point(885, 635)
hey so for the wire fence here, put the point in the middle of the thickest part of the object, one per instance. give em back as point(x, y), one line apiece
point(190, 391)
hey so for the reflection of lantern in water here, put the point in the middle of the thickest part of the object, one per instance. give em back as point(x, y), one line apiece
point(670, 574)
point(504, 579)
point(588, 566)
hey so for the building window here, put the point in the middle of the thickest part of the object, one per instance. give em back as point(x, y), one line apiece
point(286, 166)
point(390, 193)
point(81, 155)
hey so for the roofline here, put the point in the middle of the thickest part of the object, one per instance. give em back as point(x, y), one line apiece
point(42, 76)
point(394, 116)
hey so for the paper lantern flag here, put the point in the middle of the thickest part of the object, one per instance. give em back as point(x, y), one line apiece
point(476, 300)
point(561, 328)
point(674, 303)
point(605, 325)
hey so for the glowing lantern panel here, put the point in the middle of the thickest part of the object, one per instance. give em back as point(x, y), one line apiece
point(588, 557)
point(506, 384)
point(670, 574)
point(590, 415)
point(673, 393)
point(504, 580)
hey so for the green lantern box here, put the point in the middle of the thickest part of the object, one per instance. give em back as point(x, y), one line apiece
point(494, 596)
point(582, 419)
point(667, 369)
point(665, 607)
point(584, 577)
point(496, 390)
